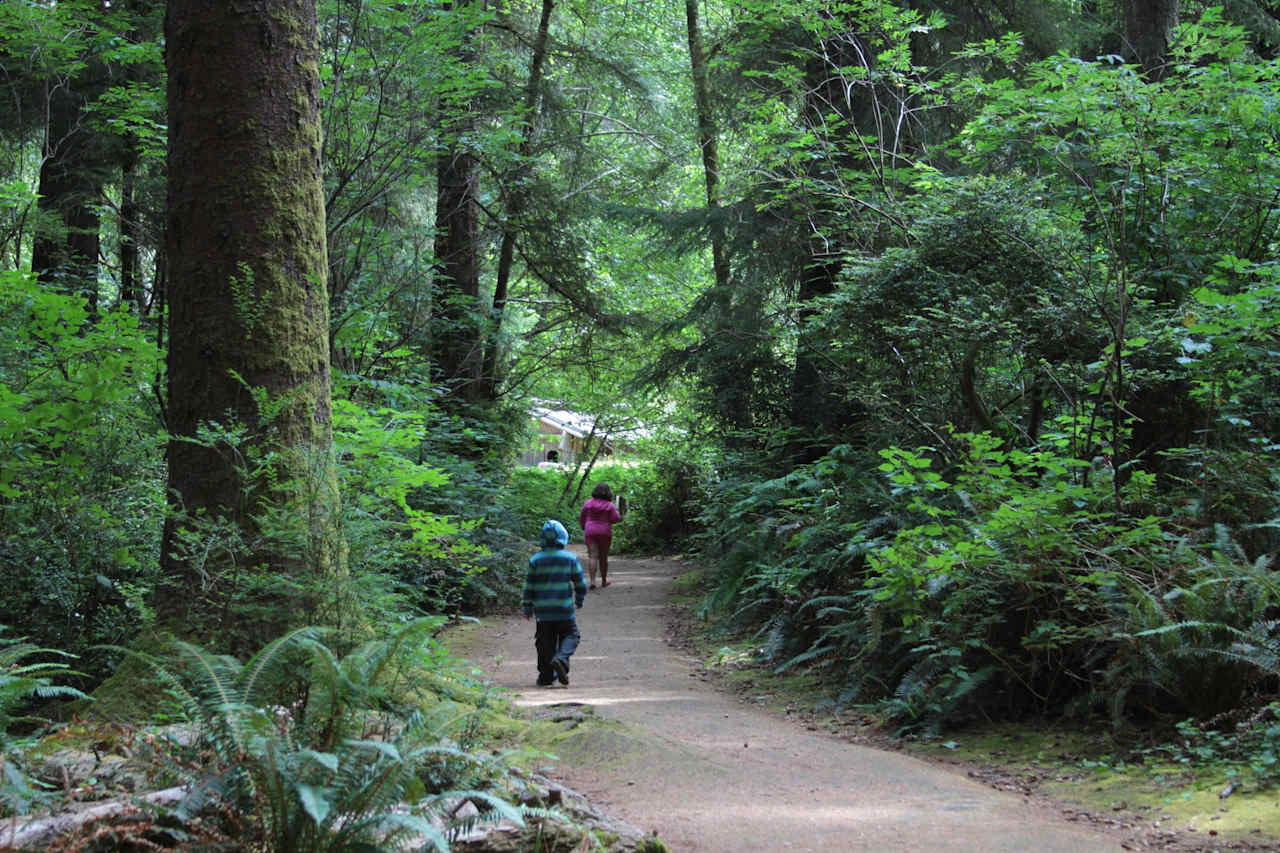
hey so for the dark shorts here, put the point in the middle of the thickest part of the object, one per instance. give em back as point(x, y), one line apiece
point(601, 541)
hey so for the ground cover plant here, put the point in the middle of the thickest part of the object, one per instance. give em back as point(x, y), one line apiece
point(299, 747)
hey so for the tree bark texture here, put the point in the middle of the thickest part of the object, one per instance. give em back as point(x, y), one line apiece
point(1148, 24)
point(457, 345)
point(246, 255)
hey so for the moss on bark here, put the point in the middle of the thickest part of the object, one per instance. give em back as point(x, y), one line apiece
point(247, 251)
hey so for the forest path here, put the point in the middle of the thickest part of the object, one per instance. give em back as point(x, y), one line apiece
point(708, 773)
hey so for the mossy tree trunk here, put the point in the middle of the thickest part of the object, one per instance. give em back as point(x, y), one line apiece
point(457, 342)
point(249, 317)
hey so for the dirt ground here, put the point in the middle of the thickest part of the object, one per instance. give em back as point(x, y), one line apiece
point(708, 772)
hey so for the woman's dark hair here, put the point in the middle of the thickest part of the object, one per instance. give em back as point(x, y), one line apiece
point(602, 491)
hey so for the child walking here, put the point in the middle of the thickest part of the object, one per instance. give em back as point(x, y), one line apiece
point(553, 586)
point(597, 517)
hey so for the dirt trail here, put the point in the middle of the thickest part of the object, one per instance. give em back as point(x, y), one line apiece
point(708, 773)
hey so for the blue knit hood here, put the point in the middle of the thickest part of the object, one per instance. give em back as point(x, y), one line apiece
point(553, 533)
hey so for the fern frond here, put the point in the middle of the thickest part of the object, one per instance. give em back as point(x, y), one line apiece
point(214, 675)
point(57, 691)
point(1175, 628)
point(402, 825)
point(812, 653)
point(269, 656)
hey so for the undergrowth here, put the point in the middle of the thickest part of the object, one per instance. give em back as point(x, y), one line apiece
point(1000, 584)
point(306, 746)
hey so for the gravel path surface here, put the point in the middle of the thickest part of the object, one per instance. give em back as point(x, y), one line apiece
point(708, 773)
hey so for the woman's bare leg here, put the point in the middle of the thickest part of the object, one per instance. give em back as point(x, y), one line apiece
point(603, 559)
point(592, 563)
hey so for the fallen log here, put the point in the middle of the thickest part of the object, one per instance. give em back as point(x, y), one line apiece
point(33, 833)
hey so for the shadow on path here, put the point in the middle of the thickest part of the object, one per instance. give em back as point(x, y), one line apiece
point(710, 774)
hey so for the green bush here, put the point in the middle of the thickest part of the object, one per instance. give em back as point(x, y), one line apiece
point(82, 480)
point(1005, 584)
point(417, 529)
point(533, 495)
point(1205, 640)
point(656, 496)
point(333, 752)
point(402, 512)
point(779, 546)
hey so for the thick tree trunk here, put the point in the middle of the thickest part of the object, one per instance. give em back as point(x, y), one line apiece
point(246, 270)
point(1148, 24)
point(457, 344)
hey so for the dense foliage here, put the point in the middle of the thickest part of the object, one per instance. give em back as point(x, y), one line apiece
point(950, 332)
point(1047, 477)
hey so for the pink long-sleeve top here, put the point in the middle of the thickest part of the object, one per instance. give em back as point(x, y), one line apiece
point(598, 516)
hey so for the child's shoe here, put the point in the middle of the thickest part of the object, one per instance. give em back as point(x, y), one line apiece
point(562, 670)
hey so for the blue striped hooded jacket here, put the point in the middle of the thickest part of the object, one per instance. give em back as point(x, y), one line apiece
point(554, 582)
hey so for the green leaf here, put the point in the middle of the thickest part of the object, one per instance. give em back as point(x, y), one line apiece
point(315, 801)
point(325, 759)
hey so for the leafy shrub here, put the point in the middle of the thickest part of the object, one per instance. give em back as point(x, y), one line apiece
point(413, 534)
point(661, 500)
point(393, 521)
point(483, 565)
point(534, 495)
point(82, 482)
point(656, 496)
point(1008, 582)
point(778, 547)
point(1207, 642)
point(1009, 585)
point(330, 752)
point(1229, 359)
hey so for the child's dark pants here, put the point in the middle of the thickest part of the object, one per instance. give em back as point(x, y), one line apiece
point(554, 639)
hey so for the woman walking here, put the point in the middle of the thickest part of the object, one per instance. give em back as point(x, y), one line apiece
point(597, 517)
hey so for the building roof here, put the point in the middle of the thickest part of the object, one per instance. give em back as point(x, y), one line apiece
point(575, 424)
